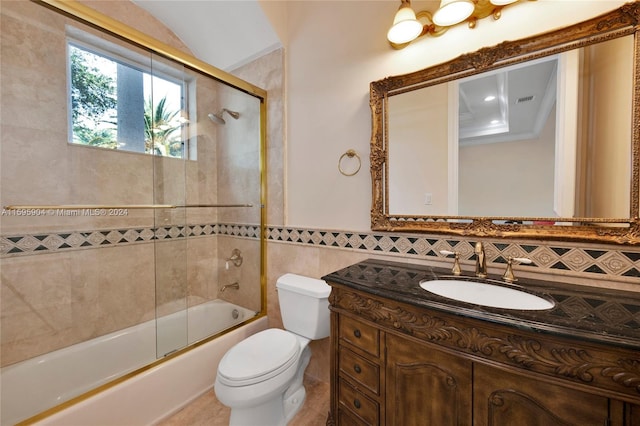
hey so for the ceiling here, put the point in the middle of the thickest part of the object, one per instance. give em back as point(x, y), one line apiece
point(522, 97)
point(223, 33)
point(231, 33)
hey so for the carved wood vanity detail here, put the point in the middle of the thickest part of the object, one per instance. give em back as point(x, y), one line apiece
point(403, 356)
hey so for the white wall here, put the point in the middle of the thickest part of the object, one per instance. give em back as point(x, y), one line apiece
point(530, 162)
point(334, 49)
point(419, 128)
point(609, 156)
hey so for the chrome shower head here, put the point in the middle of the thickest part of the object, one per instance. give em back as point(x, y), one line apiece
point(217, 118)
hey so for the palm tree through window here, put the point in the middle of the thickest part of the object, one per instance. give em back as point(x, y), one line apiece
point(117, 104)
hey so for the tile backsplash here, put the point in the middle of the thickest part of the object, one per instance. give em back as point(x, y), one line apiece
point(28, 244)
point(617, 263)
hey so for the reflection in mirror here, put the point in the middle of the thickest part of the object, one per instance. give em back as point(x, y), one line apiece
point(533, 138)
point(496, 143)
point(507, 135)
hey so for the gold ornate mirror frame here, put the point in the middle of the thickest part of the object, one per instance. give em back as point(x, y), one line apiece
point(620, 22)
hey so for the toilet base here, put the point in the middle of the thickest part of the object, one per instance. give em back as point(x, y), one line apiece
point(277, 411)
point(295, 395)
point(269, 413)
point(293, 403)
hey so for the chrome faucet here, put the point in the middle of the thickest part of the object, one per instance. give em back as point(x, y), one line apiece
point(235, 285)
point(481, 261)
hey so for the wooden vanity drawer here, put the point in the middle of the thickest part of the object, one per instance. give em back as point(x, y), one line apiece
point(358, 404)
point(360, 370)
point(360, 335)
point(345, 418)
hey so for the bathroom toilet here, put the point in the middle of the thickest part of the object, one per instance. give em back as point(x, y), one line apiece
point(261, 377)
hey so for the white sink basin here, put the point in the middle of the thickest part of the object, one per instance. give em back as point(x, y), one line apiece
point(487, 295)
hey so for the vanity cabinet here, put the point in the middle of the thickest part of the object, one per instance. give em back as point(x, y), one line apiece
point(506, 398)
point(432, 387)
point(396, 362)
point(427, 386)
point(359, 369)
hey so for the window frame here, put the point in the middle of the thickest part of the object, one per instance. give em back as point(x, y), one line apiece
point(146, 65)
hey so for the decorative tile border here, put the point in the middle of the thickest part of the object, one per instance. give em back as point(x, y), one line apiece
point(592, 260)
point(18, 245)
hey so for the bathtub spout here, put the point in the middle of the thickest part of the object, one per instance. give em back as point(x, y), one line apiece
point(235, 285)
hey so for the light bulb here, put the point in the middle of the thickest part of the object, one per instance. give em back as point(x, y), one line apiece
point(405, 26)
point(452, 12)
point(501, 2)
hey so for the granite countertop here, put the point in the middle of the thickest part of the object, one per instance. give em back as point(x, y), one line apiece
point(600, 315)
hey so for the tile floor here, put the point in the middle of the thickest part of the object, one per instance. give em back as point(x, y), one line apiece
point(207, 411)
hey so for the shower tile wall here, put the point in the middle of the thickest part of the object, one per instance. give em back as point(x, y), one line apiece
point(67, 277)
point(54, 300)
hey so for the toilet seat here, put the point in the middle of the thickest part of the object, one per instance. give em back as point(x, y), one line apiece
point(259, 357)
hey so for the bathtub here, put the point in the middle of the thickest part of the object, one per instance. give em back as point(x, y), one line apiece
point(37, 384)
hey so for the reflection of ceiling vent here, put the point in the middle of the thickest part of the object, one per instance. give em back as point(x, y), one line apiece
point(524, 99)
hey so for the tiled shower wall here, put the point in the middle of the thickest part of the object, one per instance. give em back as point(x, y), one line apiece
point(68, 275)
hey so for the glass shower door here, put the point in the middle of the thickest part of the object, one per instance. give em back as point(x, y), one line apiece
point(166, 137)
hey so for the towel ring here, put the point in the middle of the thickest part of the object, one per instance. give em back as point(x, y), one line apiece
point(350, 153)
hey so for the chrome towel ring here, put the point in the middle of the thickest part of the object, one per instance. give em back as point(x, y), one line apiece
point(350, 153)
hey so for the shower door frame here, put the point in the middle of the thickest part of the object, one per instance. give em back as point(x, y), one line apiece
point(94, 18)
point(85, 14)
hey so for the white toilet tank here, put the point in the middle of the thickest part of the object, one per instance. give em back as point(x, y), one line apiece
point(304, 305)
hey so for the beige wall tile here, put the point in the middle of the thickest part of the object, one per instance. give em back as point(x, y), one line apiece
point(55, 300)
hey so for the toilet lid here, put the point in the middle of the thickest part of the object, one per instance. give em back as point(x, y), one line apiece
point(259, 357)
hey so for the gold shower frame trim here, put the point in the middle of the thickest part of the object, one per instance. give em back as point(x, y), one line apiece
point(91, 16)
point(83, 13)
point(95, 391)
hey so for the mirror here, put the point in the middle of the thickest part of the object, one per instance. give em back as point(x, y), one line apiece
point(536, 138)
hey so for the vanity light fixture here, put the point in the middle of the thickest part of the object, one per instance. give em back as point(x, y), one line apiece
point(453, 12)
point(408, 25)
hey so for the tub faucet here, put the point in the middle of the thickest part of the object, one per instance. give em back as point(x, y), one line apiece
point(235, 285)
point(481, 261)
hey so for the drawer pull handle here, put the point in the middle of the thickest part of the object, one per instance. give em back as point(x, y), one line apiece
point(356, 403)
point(357, 333)
point(357, 369)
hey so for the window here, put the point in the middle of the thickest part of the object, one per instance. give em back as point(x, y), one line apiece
point(118, 102)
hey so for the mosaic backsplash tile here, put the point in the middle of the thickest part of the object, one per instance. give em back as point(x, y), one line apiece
point(557, 256)
point(589, 259)
point(17, 245)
